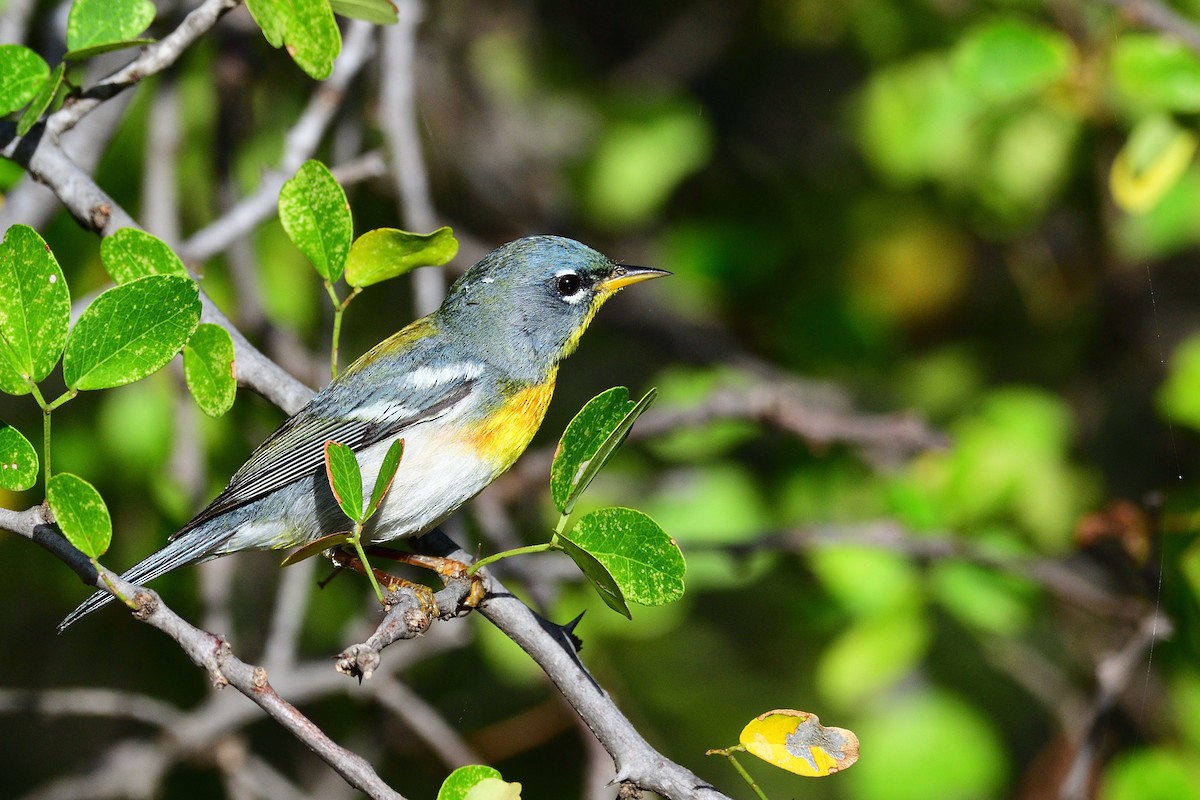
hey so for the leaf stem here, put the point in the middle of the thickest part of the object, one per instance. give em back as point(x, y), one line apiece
point(356, 540)
point(339, 308)
point(728, 753)
point(516, 551)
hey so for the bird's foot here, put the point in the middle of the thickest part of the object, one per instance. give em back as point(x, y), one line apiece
point(448, 569)
point(391, 583)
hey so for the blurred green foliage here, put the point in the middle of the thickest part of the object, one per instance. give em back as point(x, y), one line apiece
point(915, 200)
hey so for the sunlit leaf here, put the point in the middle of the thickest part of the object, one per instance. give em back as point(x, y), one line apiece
point(316, 216)
point(316, 548)
point(387, 252)
point(477, 782)
point(872, 654)
point(590, 440)
point(209, 369)
point(378, 12)
point(22, 73)
point(1010, 58)
point(131, 331)
point(602, 580)
point(798, 742)
point(305, 27)
point(91, 23)
point(1156, 72)
point(645, 562)
point(1152, 773)
point(387, 471)
point(345, 479)
point(80, 513)
point(130, 253)
point(18, 460)
point(41, 101)
point(1151, 162)
point(35, 310)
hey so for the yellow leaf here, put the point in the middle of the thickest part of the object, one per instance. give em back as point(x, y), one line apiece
point(1150, 163)
point(796, 741)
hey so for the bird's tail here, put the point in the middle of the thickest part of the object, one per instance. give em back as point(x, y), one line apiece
point(191, 546)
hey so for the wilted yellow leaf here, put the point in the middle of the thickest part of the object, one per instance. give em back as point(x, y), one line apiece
point(796, 741)
point(1150, 163)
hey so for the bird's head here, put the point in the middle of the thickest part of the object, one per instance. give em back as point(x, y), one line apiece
point(533, 298)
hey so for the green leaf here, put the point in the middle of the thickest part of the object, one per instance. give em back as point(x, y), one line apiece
point(1156, 73)
point(131, 331)
point(871, 654)
point(604, 582)
point(345, 479)
point(41, 101)
point(1009, 59)
point(387, 252)
point(1152, 773)
point(22, 73)
point(35, 310)
point(80, 513)
point(209, 369)
point(18, 460)
point(378, 12)
point(387, 471)
point(643, 559)
point(101, 22)
point(305, 27)
point(477, 782)
point(131, 253)
point(316, 547)
point(590, 440)
point(316, 216)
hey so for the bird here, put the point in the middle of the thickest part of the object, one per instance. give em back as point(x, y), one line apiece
point(466, 387)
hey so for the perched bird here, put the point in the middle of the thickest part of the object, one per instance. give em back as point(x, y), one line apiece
point(466, 387)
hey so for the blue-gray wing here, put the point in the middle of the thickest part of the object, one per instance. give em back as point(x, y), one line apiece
point(379, 412)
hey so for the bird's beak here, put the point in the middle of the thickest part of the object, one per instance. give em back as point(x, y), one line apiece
point(627, 274)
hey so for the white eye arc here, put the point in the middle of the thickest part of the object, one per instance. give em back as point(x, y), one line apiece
point(569, 286)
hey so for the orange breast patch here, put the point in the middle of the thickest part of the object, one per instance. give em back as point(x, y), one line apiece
point(506, 433)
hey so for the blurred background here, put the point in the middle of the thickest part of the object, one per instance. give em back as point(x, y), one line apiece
point(929, 374)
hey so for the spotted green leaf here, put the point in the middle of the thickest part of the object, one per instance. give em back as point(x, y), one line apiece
point(798, 742)
point(93, 24)
point(602, 580)
point(22, 73)
point(131, 331)
point(80, 513)
point(305, 27)
point(590, 440)
point(345, 479)
point(387, 252)
point(209, 369)
point(316, 216)
point(41, 101)
point(645, 562)
point(35, 310)
point(377, 12)
point(477, 782)
point(18, 460)
point(131, 253)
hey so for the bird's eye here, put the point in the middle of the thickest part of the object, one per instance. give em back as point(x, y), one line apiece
point(568, 284)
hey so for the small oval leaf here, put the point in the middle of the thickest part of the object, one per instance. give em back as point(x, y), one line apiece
point(316, 547)
point(84, 53)
point(80, 513)
point(1151, 162)
point(18, 460)
point(131, 331)
point(644, 560)
point(1010, 58)
point(35, 310)
point(345, 479)
point(387, 471)
point(316, 216)
point(92, 23)
point(477, 782)
point(305, 27)
point(209, 369)
point(796, 741)
point(387, 252)
point(377, 12)
point(22, 73)
point(130, 253)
